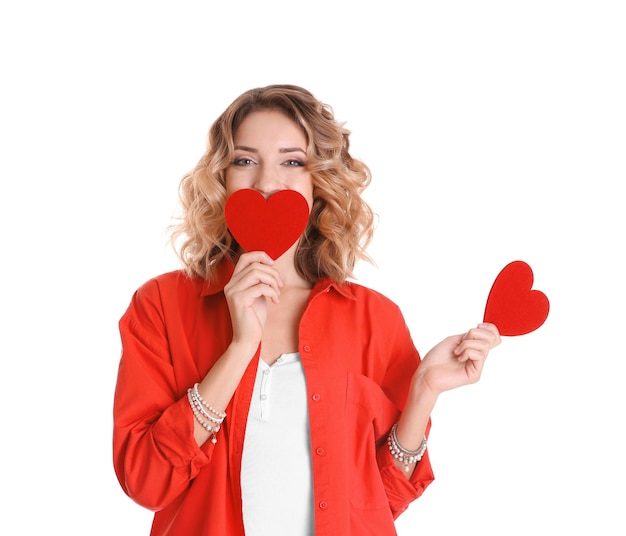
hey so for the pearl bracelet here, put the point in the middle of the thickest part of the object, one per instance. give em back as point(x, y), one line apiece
point(404, 455)
point(220, 414)
point(199, 413)
point(201, 408)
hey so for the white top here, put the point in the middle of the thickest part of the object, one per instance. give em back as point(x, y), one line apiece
point(276, 480)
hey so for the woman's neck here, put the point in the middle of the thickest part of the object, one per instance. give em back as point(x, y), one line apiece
point(286, 266)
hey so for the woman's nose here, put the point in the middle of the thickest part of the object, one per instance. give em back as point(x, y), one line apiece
point(267, 182)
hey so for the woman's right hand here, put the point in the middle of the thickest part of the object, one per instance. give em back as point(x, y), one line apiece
point(254, 281)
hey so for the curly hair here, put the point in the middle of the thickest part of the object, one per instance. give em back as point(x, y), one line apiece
point(340, 225)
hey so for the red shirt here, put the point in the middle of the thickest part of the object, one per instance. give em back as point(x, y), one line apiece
point(358, 359)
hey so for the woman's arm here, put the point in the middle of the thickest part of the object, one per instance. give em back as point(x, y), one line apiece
point(456, 361)
point(158, 444)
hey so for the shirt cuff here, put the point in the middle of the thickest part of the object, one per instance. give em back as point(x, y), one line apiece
point(401, 491)
point(174, 436)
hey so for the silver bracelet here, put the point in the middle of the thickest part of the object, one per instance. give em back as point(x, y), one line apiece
point(403, 455)
point(198, 413)
point(197, 401)
point(219, 414)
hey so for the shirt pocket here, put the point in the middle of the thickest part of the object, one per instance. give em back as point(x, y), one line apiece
point(369, 415)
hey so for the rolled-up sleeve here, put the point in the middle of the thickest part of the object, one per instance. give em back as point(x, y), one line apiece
point(403, 361)
point(154, 450)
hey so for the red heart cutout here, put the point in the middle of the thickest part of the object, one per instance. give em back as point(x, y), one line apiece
point(271, 225)
point(512, 305)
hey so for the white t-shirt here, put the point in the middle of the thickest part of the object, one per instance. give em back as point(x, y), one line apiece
point(276, 480)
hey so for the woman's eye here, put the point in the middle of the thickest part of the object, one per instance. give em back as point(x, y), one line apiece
point(243, 161)
point(294, 162)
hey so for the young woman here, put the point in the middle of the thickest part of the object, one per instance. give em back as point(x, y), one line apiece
point(259, 396)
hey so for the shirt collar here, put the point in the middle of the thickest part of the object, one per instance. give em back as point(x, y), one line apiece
point(224, 271)
point(325, 284)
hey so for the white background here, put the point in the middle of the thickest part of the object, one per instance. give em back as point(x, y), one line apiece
point(495, 131)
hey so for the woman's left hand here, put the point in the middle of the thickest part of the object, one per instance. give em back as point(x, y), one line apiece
point(457, 360)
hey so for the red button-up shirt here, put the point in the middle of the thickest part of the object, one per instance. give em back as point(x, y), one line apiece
point(358, 359)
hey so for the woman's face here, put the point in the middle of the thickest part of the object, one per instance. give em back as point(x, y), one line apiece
point(270, 155)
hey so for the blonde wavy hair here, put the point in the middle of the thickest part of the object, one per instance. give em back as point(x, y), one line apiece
point(340, 225)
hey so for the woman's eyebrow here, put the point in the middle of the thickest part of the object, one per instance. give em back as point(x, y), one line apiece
point(281, 150)
point(245, 148)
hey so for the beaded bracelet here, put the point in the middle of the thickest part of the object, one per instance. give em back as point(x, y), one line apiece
point(199, 412)
point(219, 414)
point(404, 455)
point(204, 412)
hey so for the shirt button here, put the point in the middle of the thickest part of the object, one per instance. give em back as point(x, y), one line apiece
point(320, 451)
point(266, 372)
point(316, 397)
point(323, 505)
point(263, 397)
point(307, 348)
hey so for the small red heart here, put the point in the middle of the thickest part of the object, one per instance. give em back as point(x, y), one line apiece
point(512, 306)
point(271, 225)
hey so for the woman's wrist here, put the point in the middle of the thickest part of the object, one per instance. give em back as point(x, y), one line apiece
point(242, 349)
point(421, 393)
point(413, 422)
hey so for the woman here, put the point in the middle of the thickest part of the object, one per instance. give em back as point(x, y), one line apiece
point(276, 396)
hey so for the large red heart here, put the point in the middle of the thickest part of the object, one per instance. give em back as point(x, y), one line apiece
point(271, 225)
point(512, 305)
